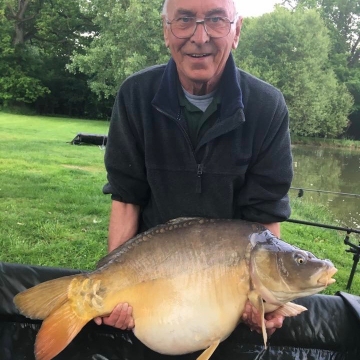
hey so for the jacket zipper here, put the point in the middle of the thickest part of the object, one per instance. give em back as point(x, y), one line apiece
point(199, 174)
point(200, 166)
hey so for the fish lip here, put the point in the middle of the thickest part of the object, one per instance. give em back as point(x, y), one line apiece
point(327, 279)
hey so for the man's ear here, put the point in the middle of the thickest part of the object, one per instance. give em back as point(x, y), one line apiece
point(238, 25)
point(166, 31)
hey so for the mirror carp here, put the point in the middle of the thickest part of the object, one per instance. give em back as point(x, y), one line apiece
point(188, 282)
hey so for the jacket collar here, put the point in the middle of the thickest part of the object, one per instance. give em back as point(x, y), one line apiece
point(166, 99)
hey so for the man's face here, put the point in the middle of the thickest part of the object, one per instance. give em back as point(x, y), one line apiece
point(200, 60)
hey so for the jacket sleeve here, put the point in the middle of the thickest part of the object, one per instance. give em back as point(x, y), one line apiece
point(124, 156)
point(264, 196)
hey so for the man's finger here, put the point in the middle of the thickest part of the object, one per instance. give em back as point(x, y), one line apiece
point(120, 317)
point(124, 317)
point(98, 320)
point(130, 322)
point(275, 322)
point(117, 316)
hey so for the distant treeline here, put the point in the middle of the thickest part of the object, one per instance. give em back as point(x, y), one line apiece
point(69, 57)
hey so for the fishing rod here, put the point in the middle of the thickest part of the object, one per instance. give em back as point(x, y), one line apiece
point(302, 190)
point(354, 249)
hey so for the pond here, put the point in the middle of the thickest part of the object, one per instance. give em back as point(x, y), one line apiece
point(334, 174)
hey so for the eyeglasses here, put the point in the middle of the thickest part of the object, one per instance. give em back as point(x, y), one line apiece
point(185, 27)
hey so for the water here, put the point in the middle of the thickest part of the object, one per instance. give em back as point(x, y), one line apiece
point(334, 170)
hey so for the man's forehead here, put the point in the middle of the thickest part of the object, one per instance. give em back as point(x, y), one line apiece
point(201, 6)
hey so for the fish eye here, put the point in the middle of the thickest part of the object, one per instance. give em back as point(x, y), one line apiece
point(300, 259)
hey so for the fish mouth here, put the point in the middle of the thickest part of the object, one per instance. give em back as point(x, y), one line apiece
point(326, 279)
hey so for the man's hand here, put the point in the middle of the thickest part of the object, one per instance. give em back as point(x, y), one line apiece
point(251, 317)
point(121, 317)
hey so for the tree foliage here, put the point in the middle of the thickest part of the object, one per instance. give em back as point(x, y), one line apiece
point(48, 24)
point(16, 84)
point(290, 50)
point(130, 39)
point(342, 18)
point(69, 58)
point(37, 38)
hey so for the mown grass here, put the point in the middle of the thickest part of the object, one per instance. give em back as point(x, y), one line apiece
point(52, 209)
point(53, 212)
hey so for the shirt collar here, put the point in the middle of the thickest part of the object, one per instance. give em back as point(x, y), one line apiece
point(168, 101)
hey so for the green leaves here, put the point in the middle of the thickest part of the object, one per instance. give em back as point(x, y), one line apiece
point(36, 40)
point(291, 51)
point(53, 53)
point(342, 19)
point(130, 39)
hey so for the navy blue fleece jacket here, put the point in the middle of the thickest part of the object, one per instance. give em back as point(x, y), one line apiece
point(241, 167)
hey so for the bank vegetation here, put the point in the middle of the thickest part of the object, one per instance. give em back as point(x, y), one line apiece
point(69, 58)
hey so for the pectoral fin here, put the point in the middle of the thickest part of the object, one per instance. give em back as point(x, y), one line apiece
point(209, 351)
point(290, 309)
point(257, 301)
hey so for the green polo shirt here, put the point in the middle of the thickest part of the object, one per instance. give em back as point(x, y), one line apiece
point(198, 121)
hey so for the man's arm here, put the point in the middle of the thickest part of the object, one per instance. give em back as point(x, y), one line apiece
point(124, 222)
point(274, 228)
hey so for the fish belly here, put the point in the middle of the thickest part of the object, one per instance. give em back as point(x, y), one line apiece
point(188, 313)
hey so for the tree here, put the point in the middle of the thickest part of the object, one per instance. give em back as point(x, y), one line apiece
point(130, 39)
point(49, 24)
point(342, 18)
point(15, 84)
point(37, 38)
point(290, 50)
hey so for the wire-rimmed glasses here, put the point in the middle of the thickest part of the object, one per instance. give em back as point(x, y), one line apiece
point(185, 27)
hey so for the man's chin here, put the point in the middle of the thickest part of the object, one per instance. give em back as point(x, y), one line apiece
point(198, 78)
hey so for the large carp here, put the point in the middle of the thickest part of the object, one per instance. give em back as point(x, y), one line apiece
point(187, 281)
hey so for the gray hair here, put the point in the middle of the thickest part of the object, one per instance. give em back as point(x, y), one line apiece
point(235, 2)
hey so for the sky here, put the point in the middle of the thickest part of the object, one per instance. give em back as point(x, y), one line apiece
point(256, 7)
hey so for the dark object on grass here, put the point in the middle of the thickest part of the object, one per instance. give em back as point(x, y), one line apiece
point(330, 330)
point(90, 139)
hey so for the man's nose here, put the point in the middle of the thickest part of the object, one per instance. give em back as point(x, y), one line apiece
point(200, 35)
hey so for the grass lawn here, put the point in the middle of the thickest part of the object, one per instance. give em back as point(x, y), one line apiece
point(52, 209)
point(53, 212)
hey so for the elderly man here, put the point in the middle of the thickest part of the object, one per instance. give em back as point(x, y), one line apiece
point(197, 137)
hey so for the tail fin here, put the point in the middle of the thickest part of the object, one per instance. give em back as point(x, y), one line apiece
point(39, 301)
point(57, 331)
point(50, 302)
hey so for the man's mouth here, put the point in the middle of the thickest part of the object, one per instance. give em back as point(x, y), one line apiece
point(198, 55)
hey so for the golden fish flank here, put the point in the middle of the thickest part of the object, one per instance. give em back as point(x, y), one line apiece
point(187, 281)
